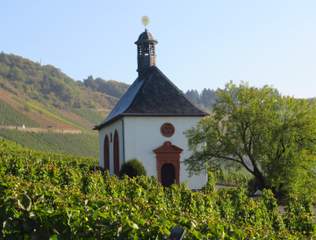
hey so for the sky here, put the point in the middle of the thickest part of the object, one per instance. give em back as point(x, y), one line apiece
point(202, 44)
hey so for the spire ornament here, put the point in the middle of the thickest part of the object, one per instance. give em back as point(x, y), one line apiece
point(145, 21)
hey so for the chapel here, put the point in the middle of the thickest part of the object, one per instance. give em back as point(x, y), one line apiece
point(149, 123)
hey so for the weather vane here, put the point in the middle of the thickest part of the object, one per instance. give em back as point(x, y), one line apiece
point(145, 21)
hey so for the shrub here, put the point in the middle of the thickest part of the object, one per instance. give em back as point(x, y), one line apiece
point(299, 216)
point(133, 168)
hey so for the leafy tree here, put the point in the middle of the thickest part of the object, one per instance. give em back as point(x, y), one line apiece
point(271, 136)
point(109, 87)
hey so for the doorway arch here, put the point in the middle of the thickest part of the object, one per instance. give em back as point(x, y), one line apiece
point(168, 163)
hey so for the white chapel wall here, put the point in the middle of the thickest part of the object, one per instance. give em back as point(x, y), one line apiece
point(142, 136)
point(110, 129)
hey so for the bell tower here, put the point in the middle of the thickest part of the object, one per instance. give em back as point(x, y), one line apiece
point(146, 54)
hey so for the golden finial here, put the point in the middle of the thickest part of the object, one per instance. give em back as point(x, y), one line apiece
point(145, 20)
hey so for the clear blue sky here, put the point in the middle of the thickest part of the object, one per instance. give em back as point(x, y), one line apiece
point(201, 43)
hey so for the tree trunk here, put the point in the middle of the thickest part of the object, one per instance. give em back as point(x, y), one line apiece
point(260, 179)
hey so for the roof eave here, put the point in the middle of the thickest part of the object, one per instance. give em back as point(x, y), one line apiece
point(98, 127)
point(165, 114)
point(102, 125)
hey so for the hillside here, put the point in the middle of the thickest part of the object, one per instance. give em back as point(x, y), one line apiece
point(43, 98)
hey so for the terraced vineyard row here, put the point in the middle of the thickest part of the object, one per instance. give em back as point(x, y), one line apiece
point(84, 144)
point(56, 196)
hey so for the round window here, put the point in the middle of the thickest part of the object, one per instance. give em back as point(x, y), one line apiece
point(167, 129)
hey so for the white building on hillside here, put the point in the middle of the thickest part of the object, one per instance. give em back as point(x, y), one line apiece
point(148, 124)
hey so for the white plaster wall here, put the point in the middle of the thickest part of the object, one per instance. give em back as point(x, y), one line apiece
point(110, 129)
point(142, 136)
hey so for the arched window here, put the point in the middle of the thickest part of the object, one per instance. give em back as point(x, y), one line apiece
point(106, 153)
point(116, 154)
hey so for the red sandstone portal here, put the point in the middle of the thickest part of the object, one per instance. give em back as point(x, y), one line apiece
point(168, 163)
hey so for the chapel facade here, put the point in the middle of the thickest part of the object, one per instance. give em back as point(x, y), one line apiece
point(149, 122)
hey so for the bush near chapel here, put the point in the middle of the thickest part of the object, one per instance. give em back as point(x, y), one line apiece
point(132, 168)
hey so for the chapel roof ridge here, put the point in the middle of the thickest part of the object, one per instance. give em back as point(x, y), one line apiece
point(153, 94)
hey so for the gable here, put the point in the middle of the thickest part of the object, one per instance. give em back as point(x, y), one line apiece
point(159, 96)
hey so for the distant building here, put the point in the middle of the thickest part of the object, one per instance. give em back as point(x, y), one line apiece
point(148, 123)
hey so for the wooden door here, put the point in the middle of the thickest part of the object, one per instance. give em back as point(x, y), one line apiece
point(168, 175)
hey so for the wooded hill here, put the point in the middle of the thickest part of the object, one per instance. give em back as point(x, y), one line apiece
point(43, 97)
point(48, 97)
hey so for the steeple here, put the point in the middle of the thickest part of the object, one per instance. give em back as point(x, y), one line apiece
point(146, 54)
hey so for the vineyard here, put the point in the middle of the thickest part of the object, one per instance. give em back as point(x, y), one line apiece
point(84, 144)
point(52, 196)
point(9, 116)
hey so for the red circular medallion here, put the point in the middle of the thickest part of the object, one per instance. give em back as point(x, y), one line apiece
point(167, 129)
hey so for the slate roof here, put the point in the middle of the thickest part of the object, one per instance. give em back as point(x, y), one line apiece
point(152, 94)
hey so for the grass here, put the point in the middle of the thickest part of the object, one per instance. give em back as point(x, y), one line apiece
point(84, 144)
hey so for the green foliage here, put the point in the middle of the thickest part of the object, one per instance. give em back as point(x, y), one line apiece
point(270, 136)
point(76, 144)
point(110, 87)
point(132, 168)
point(54, 196)
point(299, 215)
point(211, 182)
